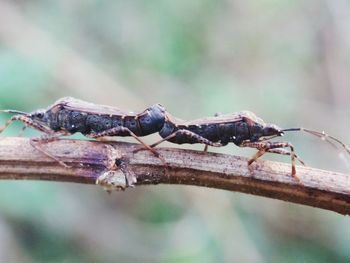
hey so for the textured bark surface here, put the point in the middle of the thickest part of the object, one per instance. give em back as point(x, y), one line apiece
point(88, 160)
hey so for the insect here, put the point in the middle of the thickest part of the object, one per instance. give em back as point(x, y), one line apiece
point(68, 115)
point(244, 129)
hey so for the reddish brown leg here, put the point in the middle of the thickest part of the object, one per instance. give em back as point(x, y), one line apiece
point(205, 148)
point(266, 146)
point(35, 142)
point(285, 152)
point(29, 122)
point(21, 132)
point(46, 138)
point(189, 135)
point(122, 130)
point(258, 154)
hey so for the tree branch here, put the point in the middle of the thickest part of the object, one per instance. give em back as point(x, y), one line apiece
point(88, 160)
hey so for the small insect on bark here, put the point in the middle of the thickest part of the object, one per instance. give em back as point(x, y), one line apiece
point(68, 116)
point(244, 129)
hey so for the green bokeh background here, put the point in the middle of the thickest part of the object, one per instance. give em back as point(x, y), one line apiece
point(287, 61)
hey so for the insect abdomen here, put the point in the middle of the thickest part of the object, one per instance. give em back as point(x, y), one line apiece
point(77, 122)
point(132, 124)
point(97, 123)
point(222, 132)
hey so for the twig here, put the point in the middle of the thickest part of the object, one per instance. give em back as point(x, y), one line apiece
point(89, 159)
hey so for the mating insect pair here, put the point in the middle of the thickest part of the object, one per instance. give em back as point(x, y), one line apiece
point(68, 115)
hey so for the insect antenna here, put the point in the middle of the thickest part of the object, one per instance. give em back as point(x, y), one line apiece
point(323, 136)
point(15, 111)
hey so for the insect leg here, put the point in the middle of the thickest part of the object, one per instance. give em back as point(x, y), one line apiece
point(49, 136)
point(35, 143)
point(188, 135)
point(29, 122)
point(121, 130)
point(20, 134)
point(268, 146)
point(8, 123)
point(285, 152)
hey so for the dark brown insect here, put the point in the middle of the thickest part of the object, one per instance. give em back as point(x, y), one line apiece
point(68, 115)
point(244, 129)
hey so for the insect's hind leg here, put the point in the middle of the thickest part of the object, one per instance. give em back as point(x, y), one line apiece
point(266, 146)
point(120, 130)
point(188, 135)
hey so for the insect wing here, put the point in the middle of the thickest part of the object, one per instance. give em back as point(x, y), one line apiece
point(83, 106)
point(217, 120)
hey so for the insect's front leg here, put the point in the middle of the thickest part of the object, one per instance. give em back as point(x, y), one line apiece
point(285, 152)
point(266, 146)
point(28, 122)
point(50, 136)
point(35, 142)
point(46, 138)
point(21, 132)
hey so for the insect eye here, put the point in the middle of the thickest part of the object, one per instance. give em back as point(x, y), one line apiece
point(271, 130)
point(40, 115)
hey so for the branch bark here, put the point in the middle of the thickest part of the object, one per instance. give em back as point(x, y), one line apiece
point(88, 160)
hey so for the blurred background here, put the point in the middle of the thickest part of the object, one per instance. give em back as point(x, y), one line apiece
point(287, 61)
